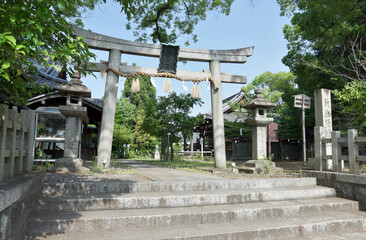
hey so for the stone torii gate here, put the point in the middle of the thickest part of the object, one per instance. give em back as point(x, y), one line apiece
point(117, 46)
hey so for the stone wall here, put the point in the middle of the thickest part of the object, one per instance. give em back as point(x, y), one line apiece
point(17, 201)
point(348, 186)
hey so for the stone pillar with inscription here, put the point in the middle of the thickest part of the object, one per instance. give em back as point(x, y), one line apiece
point(323, 118)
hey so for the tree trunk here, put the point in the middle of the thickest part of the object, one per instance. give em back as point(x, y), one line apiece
point(184, 143)
point(281, 147)
point(171, 152)
point(164, 148)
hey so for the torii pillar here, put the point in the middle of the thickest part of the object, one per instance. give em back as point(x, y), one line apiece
point(217, 116)
point(117, 46)
point(109, 111)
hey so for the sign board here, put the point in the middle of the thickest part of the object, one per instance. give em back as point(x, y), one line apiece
point(301, 99)
point(168, 58)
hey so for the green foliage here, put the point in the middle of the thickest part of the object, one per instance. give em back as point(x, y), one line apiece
point(37, 31)
point(326, 45)
point(123, 131)
point(147, 91)
point(280, 88)
point(232, 130)
point(144, 142)
point(125, 112)
point(170, 115)
point(165, 21)
point(353, 100)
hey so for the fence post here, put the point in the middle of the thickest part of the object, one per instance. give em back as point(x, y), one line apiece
point(3, 133)
point(335, 151)
point(10, 167)
point(353, 151)
point(319, 134)
point(28, 116)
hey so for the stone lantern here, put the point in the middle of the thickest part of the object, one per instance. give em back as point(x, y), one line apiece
point(259, 121)
point(74, 113)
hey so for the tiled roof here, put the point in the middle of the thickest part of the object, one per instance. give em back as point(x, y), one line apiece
point(226, 106)
point(49, 76)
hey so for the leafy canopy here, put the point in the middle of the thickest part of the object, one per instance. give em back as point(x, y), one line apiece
point(169, 115)
point(326, 43)
point(37, 31)
point(165, 21)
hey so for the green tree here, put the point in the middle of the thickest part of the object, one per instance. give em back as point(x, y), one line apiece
point(40, 32)
point(37, 31)
point(143, 141)
point(165, 21)
point(327, 47)
point(353, 100)
point(280, 88)
point(146, 93)
point(123, 125)
point(169, 115)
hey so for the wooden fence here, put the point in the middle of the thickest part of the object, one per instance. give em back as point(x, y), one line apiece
point(340, 149)
point(16, 142)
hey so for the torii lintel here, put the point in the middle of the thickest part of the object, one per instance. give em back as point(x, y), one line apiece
point(103, 42)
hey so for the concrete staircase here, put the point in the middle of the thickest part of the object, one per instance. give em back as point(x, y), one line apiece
point(271, 208)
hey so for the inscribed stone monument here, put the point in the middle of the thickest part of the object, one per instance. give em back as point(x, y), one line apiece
point(323, 118)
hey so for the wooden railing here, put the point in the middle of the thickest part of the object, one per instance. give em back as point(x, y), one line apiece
point(351, 143)
point(16, 142)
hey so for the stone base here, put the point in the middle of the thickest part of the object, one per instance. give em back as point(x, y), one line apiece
point(69, 165)
point(260, 167)
point(312, 164)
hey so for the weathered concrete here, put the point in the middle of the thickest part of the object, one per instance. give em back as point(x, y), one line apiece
point(217, 116)
point(259, 121)
point(67, 184)
point(226, 78)
point(133, 218)
point(73, 113)
point(109, 110)
point(92, 202)
point(16, 142)
point(323, 118)
point(270, 208)
point(17, 202)
point(103, 42)
point(348, 186)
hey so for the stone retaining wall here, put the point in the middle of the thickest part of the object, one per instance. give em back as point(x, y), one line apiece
point(17, 202)
point(348, 186)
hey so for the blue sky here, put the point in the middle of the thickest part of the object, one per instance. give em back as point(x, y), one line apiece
point(258, 25)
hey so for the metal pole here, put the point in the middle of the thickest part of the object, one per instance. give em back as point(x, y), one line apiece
point(201, 143)
point(303, 131)
point(168, 148)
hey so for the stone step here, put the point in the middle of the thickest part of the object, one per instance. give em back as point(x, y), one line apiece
point(331, 236)
point(275, 228)
point(138, 200)
point(56, 185)
point(78, 221)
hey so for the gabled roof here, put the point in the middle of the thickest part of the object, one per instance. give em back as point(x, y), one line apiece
point(48, 76)
point(227, 104)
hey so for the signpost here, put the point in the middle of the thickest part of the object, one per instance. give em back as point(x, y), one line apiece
point(302, 101)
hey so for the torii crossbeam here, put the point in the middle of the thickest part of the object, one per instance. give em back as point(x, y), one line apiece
point(117, 46)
